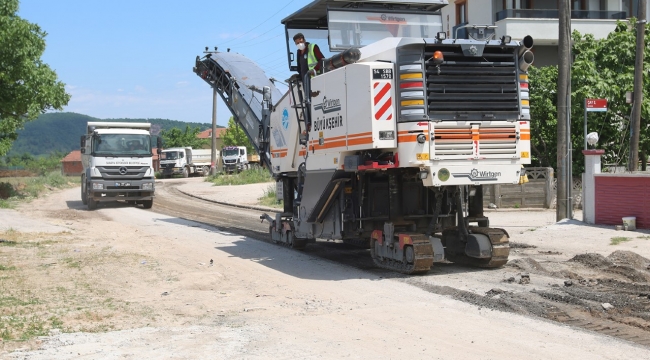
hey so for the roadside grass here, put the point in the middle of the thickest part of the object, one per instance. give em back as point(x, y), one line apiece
point(619, 239)
point(47, 283)
point(645, 237)
point(269, 198)
point(16, 189)
point(249, 176)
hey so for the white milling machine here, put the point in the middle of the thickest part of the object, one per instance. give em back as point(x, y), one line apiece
point(397, 137)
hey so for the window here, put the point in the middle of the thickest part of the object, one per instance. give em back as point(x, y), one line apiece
point(630, 7)
point(461, 12)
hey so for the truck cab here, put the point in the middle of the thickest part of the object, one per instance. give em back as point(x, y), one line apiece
point(235, 158)
point(117, 162)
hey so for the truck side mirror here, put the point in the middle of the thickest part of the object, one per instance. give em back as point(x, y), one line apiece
point(158, 142)
point(82, 144)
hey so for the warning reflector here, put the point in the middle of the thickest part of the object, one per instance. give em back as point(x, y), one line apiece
point(382, 101)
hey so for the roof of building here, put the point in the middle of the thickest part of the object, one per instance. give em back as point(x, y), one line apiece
point(207, 134)
point(74, 155)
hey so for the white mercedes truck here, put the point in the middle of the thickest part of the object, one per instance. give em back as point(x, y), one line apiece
point(186, 161)
point(118, 164)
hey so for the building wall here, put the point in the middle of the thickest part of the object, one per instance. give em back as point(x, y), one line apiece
point(72, 168)
point(622, 195)
point(545, 55)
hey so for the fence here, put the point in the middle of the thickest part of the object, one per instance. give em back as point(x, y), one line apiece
point(539, 192)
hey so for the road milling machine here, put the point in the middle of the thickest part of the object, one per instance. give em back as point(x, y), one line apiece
point(390, 145)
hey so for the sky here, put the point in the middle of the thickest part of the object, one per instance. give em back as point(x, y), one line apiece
point(134, 58)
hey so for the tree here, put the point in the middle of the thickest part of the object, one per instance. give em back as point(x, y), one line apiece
point(235, 136)
point(28, 87)
point(176, 137)
point(601, 68)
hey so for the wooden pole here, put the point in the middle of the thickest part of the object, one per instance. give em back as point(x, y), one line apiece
point(635, 119)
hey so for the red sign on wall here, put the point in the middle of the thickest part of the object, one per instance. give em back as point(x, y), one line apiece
point(596, 104)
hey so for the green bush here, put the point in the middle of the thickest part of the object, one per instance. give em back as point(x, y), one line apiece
point(250, 176)
point(31, 187)
point(7, 190)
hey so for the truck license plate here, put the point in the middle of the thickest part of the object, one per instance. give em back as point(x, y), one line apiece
point(122, 184)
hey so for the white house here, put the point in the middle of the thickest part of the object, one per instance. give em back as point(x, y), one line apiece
point(537, 18)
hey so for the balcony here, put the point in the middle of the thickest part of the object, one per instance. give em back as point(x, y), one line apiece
point(553, 14)
point(542, 24)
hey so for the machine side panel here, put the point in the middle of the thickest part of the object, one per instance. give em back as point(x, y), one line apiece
point(284, 143)
point(413, 153)
point(327, 136)
point(371, 106)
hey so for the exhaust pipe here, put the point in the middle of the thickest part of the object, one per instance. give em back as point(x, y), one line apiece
point(347, 57)
point(525, 60)
point(526, 44)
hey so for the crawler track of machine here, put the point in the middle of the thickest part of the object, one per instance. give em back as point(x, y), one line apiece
point(422, 257)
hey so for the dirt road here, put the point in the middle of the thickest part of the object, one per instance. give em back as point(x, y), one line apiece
point(122, 282)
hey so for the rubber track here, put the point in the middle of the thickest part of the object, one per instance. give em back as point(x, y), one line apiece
point(423, 252)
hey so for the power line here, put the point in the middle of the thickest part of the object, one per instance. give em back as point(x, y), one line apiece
point(260, 24)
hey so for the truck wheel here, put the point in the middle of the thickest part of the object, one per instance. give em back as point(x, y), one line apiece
point(206, 170)
point(84, 196)
point(147, 204)
point(92, 203)
point(186, 172)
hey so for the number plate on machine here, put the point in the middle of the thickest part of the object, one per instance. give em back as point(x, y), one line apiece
point(382, 74)
point(122, 184)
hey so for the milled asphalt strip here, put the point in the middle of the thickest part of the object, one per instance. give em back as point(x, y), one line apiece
point(249, 207)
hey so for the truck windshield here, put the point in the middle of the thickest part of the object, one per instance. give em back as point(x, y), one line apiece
point(116, 145)
point(169, 155)
point(230, 152)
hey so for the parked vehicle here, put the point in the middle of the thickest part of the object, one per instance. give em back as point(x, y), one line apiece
point(236, 158)
point(185, 161)
point(117, 162)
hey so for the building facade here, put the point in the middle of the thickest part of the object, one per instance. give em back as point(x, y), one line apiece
point(537, 18)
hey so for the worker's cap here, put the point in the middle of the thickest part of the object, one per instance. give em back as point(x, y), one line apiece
point(298, 36)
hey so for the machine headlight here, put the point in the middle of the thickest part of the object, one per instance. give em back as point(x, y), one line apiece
point(147, 186)
point(98, 186)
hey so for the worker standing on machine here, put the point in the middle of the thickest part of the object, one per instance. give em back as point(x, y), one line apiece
point(309, 56)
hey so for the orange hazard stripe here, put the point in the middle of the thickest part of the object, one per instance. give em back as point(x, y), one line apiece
point(360, 141)
point(409, 138)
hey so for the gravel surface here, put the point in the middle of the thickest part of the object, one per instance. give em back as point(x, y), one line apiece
point(132, 284)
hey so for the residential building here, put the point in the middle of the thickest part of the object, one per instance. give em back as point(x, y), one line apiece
point(71, 164)
point(207, 134)
point(537, 18)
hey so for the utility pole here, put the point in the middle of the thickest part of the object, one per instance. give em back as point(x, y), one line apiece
point(635, 118)
point(563, 130)
point(213, 168)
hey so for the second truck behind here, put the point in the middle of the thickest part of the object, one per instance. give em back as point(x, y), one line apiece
point(185, 161)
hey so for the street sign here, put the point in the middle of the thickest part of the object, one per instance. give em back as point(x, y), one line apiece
point(595, 104)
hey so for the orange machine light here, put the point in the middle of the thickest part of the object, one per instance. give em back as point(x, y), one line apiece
point(438, 58)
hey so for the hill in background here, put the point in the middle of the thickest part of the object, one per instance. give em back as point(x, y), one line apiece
point(60, 132)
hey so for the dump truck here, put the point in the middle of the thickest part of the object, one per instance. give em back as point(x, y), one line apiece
point(185, 161)
point(117, 164)
point(237, 158)
point(390, 145)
